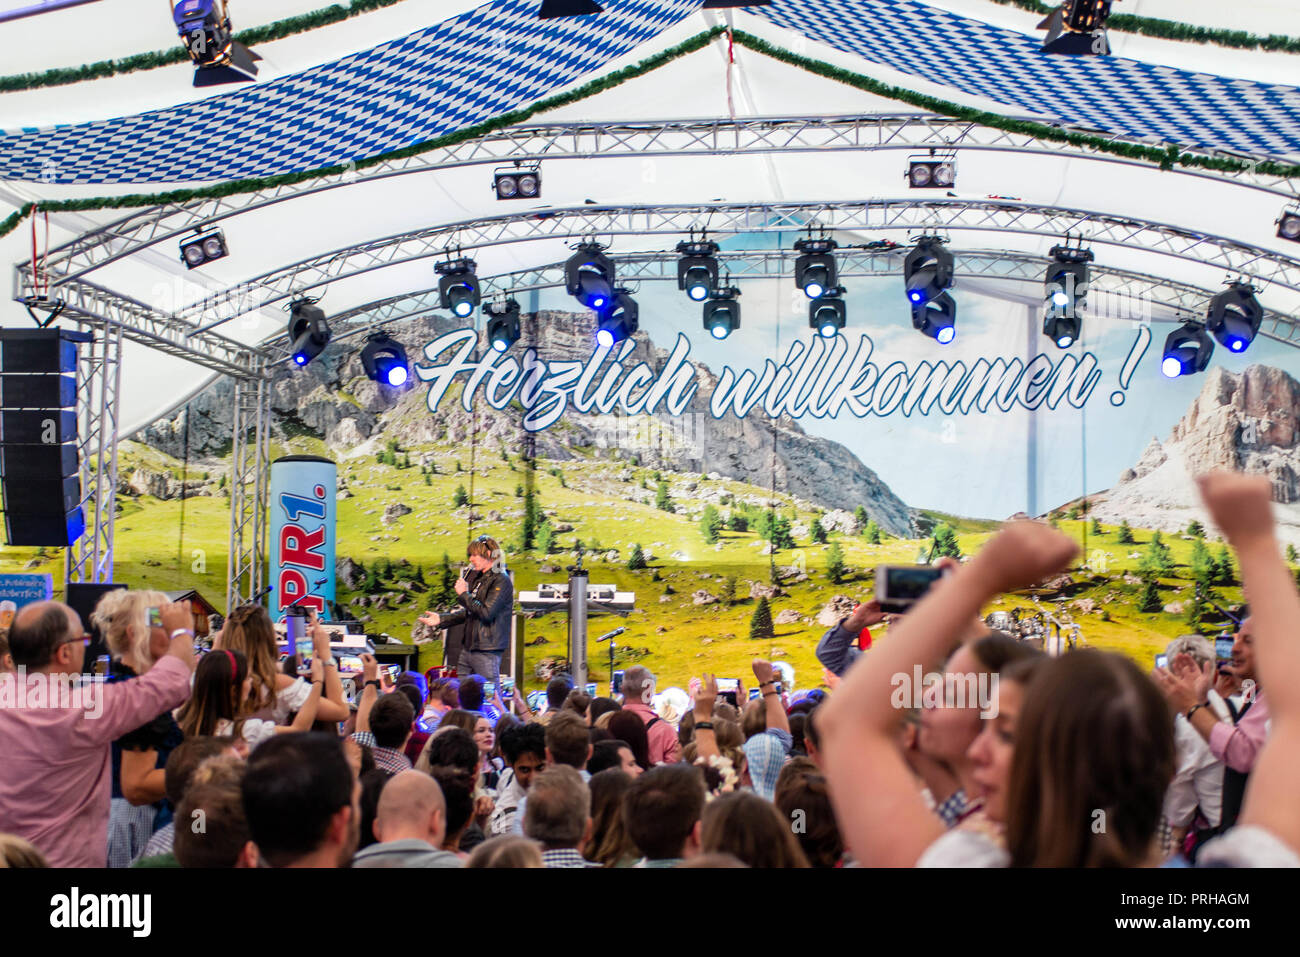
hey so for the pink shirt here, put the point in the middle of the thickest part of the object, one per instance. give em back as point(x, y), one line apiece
point(1237, 745)
point(662, 735)
point(56, 771)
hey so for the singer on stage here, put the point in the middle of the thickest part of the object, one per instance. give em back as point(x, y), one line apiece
point(478, 632)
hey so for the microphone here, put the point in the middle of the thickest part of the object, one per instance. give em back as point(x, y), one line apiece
point(611, 634)
point(261, 594)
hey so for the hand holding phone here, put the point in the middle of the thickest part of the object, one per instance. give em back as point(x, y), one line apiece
point(899, 587)
point(1162, 660)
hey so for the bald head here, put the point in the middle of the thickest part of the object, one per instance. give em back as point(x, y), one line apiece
point(39, 638)
point(411, 806)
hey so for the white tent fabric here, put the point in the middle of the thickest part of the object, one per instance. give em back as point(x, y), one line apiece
point(924, 46)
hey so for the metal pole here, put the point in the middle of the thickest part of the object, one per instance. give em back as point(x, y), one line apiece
point(578, 625)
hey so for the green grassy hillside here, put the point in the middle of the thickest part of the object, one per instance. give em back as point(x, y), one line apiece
point(667, 631)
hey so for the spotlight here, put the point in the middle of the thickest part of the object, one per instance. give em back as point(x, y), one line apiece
point(502, 324)
point(203, 248)
point(384, 360)
point(458, 289)
point(204, 28)
point(1187, 350)
point(931, 172)
point(617, 322)
point(1234, 316)
point(927, 270)
point(567, 8)
point(1065, 290)
point(697, 270)
point(937, 318)
point(722, 313)
point(589, 277)
point(1077, 28)
point(1288, 226)
point(827, 313)
point(517, 182)
point(308, 331)
point(814, 270)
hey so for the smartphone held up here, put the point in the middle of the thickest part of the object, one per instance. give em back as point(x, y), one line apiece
point(899, 587)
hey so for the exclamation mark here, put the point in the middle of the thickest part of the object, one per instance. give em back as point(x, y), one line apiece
point(1135, 355)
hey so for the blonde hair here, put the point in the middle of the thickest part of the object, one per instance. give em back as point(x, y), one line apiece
point(603, 721)
point(16, 852)
point(507, 850)
point(122, 617)
point(485, 548)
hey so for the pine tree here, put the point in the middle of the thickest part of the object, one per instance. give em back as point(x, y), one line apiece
point(545, 536)
point(1196, 609)
point(728, 594)
point(779, 533)
point(1196, 529)
point(1150, 601)
point(945, 542)
point(519, 491)
point(662, 500)
point(760, 625)
point(835, 563)
point(406, 461)
point(710, 524)
point(446, 589)
point(1156, 561)
point(1224, 574)
point(873, 533)
point(419, 574)
point(860, 517)
point(460, 498)
point(636, 560)
point(738, 522)
point(1202, 564)
point(428, 479)
point(763, 524)
point(1073, 513)
point(1125, 534)
point(816, 532)
point(372, 585)
point(1096, 527)
point(528, 529)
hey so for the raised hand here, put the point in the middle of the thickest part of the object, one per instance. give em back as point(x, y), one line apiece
point(865, 615)
point(705, 697)
point(176, 614)
point(1241, 505)
point(1023, 554)
point(369, 668)
point(432, 619)
point(762, 670)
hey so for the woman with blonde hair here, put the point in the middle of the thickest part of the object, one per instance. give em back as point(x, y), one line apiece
point(138, 626)
point(16, 852)
point(275, 696)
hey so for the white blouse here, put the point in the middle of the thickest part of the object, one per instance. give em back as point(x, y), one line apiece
point(254, 730)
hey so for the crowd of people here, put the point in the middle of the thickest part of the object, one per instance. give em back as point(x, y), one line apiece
point(1079, 760)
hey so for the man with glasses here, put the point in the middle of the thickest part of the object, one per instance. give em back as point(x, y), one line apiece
point(486, 600)
point(56, 773)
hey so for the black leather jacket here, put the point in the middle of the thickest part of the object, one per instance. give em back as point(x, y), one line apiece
point(485, 611)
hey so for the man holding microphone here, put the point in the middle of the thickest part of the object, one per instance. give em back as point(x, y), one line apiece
point(485, 597)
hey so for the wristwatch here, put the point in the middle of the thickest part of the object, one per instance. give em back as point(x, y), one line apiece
point(372, 681)
point(1194, 708)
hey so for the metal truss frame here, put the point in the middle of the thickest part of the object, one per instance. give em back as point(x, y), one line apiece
point(652, 138)
point(929, 215)
point(249, 487)
point(1172, 298)
point(99, 383)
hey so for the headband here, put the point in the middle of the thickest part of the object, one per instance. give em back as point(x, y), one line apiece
point(234, 669)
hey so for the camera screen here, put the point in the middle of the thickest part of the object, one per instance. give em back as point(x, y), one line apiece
point(911, 583)
point(1223, 649)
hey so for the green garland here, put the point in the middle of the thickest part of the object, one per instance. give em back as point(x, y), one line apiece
point(1165, 158)
point(1171, 30)
point(290, 26)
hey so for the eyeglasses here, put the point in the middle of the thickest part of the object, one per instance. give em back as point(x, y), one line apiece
point(85, 638)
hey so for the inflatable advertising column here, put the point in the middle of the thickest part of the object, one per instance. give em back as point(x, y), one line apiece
point(303, 513)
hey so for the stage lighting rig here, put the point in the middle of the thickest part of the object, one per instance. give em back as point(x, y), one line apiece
point(1077, 28)
point(931, 172)
point(697, 270)
point(384, 360)
point(204, 28)
point(308, 331)
point(502, 323)
point(1065, 292)
point(827, 313)
point(1288, 225)
point(589, 276)
point(814, 270)
point(203, 248)
point(722, 312)
point(937, 318)
point(1234, 317)
point(458, 287)
point(927, 270)
point(518, 181)
point(551, 9)
point(619, 321)
point(1187, 350)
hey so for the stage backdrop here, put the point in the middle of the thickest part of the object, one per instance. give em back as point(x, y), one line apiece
point(745, 489)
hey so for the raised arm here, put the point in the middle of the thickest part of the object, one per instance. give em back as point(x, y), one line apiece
point(307, 714)
point(706, 742)
point(333, 705)
point(1242, 508)
point(881, 814)
point(775, 710)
